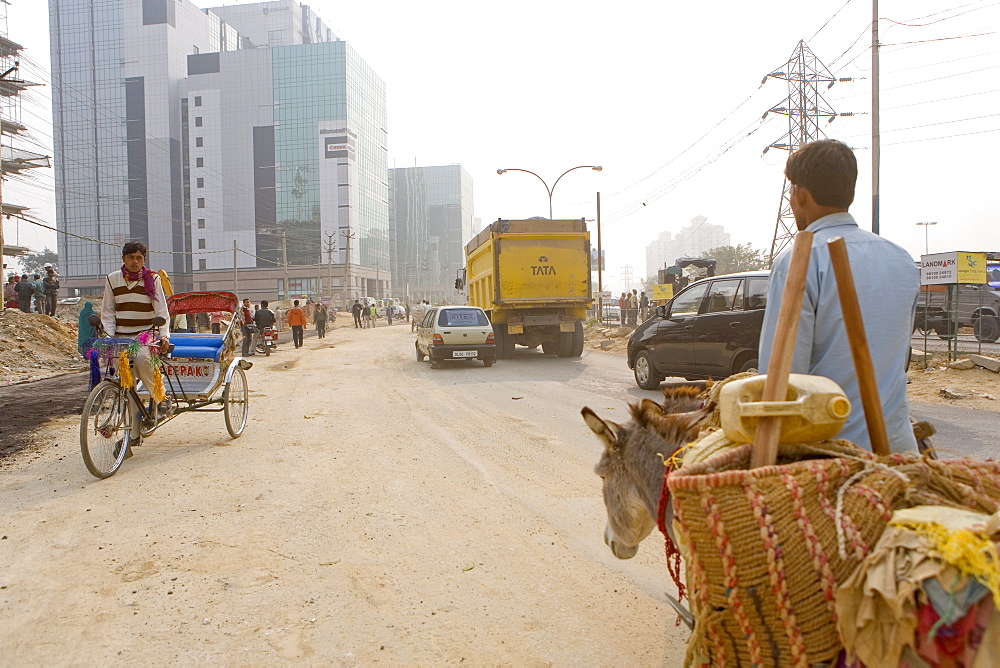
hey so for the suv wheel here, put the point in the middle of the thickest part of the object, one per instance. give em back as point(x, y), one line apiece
point(987, 328)
point(645, 373)
point(420, 355)
point(747, 365)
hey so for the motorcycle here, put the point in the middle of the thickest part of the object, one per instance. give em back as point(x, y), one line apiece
point(267, 340)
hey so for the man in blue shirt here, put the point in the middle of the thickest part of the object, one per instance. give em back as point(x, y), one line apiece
point(822, 175)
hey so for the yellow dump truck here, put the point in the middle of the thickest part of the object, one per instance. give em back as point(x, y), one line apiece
point(532, 277)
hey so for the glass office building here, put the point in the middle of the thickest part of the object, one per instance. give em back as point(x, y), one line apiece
point(430, 220)
point(245, 145)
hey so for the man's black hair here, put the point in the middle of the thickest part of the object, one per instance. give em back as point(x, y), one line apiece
point(134, 247)
point(295, 302)
point(263, 303)
point(827, 169)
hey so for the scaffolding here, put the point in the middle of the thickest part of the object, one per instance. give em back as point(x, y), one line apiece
point(14, 162)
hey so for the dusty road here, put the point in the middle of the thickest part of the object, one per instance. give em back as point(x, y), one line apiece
point(374, 512)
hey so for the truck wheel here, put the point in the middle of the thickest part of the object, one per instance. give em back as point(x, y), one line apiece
point(504, 342)
point(645, 373)
point(565, 348)
point(577, 340)
point(550, 347)
point(987, 328)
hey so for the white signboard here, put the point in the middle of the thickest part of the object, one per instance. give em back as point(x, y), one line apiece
point(957, 267)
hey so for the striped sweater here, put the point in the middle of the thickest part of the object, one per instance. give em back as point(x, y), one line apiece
point(126, 309)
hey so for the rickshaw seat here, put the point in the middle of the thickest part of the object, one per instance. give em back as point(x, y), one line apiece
point(198, 346)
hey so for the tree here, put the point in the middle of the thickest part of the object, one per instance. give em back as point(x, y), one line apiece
point(736, 258)
point(33, 263)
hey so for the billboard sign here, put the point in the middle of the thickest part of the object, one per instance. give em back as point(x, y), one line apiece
point(954, 267)
point(662, 292)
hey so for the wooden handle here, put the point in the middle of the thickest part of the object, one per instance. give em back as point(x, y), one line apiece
point(765, 443)
point(867, 385)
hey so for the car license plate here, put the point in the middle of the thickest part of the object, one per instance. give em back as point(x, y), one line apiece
point(463, 353)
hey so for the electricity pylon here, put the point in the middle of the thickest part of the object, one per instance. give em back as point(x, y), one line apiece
point(805, 107)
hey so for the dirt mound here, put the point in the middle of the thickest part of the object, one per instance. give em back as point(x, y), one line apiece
point(34, 346)
point(618, 337)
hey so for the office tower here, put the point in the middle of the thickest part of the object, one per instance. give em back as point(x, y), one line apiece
point(430, 220)
point(237, 142)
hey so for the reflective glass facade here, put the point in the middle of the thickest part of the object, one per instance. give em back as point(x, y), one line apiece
point(431, 220)
point(175, 128)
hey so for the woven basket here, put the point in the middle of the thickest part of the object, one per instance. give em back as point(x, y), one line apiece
point(767, 548)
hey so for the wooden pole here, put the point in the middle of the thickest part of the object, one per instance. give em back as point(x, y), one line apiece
point(765, 444)
point(867, 385)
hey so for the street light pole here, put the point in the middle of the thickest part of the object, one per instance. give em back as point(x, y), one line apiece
point(596, 168)
point(926, 246)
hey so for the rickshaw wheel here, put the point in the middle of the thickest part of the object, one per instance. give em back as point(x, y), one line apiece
point(106, 429)
point(234, 401)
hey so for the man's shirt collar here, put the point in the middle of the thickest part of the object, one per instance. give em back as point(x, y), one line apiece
point(833, 220)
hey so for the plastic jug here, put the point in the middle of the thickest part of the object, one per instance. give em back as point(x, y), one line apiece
point(815, 408)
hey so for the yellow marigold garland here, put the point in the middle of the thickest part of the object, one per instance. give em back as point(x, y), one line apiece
point(124, 370)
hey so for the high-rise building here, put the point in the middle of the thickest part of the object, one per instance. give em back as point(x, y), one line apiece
point(691, 241)
point(246, 134)
point(430, 221)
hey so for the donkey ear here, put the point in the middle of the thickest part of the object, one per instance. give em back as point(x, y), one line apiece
point(606, 430)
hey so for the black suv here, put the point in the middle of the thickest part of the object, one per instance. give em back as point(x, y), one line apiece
point(710, 329)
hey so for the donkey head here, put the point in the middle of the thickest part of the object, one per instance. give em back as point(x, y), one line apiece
point(631, 467)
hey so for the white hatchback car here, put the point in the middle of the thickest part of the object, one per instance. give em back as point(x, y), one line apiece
point(454, 333)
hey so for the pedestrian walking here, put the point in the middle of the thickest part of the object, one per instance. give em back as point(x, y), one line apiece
point(248, 329)
point(319, 317)
point(356, 312)
point(10, 292)
point(215, 319)
point(297, 321)
point(644, 306)
point(38, 294)
point(373, 312)
point(24, 293)
point(822, 177)
point(51, 285)
point(407, 307)
point(388, 314)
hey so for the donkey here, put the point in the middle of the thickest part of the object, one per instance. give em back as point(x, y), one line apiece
point(632, 467)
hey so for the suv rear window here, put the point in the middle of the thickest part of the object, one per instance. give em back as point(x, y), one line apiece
point(462, 317)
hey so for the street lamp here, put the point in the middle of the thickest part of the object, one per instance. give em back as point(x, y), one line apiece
point(596, 168)
point(926, 246)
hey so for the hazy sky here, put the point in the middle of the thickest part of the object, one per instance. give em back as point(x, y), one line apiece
point(636, 86)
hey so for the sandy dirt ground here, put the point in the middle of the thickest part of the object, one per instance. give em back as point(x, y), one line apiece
point(375, 512)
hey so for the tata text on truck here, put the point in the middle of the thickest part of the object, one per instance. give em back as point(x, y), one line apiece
point(532, 277)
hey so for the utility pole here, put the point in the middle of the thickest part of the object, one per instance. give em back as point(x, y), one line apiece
point(330, 247)
point(236, 270)
point(348, 279)
point(600, 265)
point(804, 107)
point(876, 135)
point(626, 276)
point(284, 261)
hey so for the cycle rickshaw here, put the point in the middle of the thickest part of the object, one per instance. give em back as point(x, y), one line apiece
point(188, 378)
